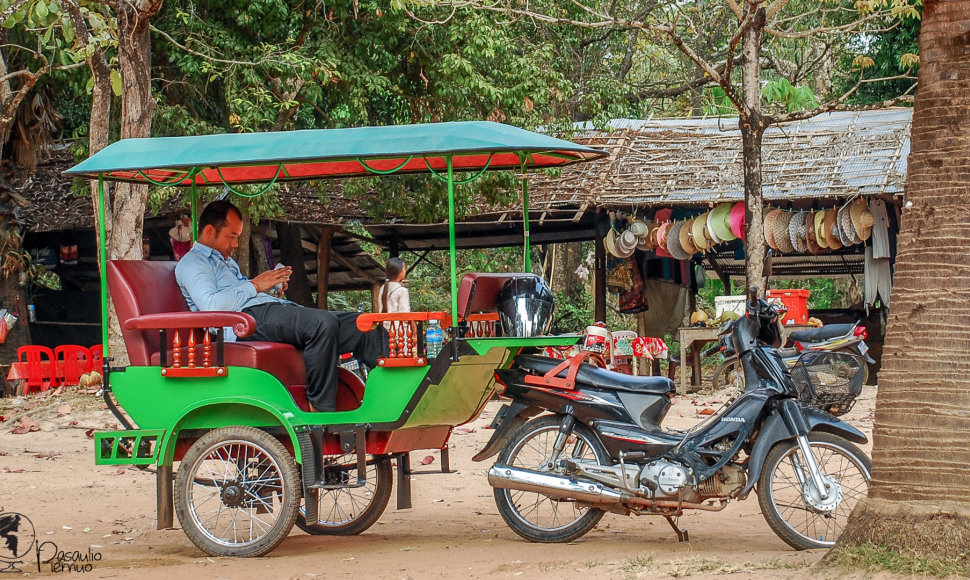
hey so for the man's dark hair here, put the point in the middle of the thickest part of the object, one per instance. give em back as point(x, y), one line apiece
point(215, 214)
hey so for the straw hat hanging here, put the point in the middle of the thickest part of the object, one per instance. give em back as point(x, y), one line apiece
point(810, 237)
point(782, 237)
point(685, 238)
point(831, 226)
point(862, 218)
point(673, 242)
point(820, 230)
point(698, 234)
point(796, 232)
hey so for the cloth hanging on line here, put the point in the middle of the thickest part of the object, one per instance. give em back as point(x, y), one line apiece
point(878, 278)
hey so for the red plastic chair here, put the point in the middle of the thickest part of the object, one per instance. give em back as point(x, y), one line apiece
point(97, 358)
point(39, 374)
point(72, 361)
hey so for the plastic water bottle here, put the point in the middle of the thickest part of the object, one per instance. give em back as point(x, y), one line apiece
point(434, 338)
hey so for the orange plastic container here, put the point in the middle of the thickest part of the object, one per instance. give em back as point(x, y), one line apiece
point(797, 303)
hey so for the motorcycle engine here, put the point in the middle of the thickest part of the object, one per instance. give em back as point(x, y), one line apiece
point(664, 477)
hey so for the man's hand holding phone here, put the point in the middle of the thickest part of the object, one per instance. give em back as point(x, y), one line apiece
point(273, 281)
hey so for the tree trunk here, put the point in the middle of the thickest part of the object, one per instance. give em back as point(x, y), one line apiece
point(565, 259)
point(291, 254)
point(752, 125)
point(126, 205)
point(919, 499)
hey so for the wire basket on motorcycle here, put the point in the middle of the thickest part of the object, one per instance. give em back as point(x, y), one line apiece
point(830, 381)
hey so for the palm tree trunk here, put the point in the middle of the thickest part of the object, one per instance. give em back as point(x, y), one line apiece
point(919, 500)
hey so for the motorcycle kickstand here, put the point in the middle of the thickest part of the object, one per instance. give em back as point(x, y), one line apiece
point(682, 535)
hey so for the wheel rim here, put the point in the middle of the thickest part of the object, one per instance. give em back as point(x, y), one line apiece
point(338, 507)
point(820, 522)
point(236, 495)
point(536, 451)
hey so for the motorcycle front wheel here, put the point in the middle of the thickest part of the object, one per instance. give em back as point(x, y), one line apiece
point(790, 501)
point(535, 516)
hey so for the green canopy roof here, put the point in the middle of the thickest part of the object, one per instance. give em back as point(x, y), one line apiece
point(313, 154)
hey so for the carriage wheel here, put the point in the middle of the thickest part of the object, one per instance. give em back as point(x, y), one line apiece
point(236, 492)
point(346, 511)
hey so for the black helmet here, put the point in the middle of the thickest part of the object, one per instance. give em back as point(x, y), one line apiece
point(525, 306)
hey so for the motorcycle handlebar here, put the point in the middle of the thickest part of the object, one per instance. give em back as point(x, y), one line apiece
point(753, 298)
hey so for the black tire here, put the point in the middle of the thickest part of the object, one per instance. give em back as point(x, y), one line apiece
point(728, 374)
point(236, 492)
point(534, 516)
point(351, 510)
point(791, 516)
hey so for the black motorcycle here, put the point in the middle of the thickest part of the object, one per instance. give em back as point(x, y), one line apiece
point(577, 441)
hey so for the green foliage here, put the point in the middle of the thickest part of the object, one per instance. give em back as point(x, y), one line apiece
point(781, 91)
point(573, 314)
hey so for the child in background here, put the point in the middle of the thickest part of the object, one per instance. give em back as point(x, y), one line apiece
point(395, 296)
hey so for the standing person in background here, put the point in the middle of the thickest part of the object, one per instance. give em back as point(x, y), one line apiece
point(395, 296)
point(181, 237)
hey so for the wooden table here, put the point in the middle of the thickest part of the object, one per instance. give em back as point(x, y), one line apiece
point(688, 336)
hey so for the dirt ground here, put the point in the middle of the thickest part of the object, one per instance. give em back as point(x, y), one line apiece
point(107, 514)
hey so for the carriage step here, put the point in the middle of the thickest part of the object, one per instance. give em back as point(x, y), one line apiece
point(132, 447)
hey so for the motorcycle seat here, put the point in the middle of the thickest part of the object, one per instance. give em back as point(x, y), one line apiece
point(600, 378)
point(823, 333)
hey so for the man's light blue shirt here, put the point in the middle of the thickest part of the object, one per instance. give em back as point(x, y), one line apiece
point(211, 282)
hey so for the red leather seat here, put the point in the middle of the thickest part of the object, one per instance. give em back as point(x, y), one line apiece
point(141, 287)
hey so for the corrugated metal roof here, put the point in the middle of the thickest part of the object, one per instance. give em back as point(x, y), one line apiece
point(695, 161)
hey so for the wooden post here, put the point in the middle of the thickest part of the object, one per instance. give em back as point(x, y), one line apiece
point(599, 280)
point(323, 266)
point(164, 504)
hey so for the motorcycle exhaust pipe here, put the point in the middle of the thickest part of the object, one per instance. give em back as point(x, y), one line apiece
point(506, 477)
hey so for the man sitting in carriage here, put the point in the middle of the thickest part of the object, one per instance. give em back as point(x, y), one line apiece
point(210, 279)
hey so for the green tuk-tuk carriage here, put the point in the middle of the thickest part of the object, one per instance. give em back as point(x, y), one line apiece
point(234, 414)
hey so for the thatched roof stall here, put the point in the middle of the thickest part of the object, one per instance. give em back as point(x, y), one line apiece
point(696, 163)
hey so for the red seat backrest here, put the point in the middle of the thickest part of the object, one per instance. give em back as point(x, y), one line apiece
point(143, 287)
point(478, 292)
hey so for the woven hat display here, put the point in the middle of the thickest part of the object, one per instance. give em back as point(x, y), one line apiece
point(609, 242)
point(686, 236)
point(862, 218)
point(639, 228)
point(820, 230)
point(810, 238)
point(770, 229)
point(649, 241)
point(737, 219)
point(831, 227)
point(626, 244)
point(796, 232)
point(782, 237)
point(846, 229)
point(710, 229)
point(698, 230)
point(673, 242)
point(721, 222)
point(661, 240)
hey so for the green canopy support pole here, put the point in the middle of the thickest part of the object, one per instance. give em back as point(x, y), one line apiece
point(103, 262)
point(195, 212)
point(527, 253)
point(451, 241)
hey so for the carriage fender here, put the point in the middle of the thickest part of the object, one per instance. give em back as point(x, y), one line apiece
point(774, 430)
point(282, 418)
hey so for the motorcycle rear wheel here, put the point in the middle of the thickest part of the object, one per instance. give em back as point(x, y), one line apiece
point(535, 516)
point(729, 374)
point(783, 504)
